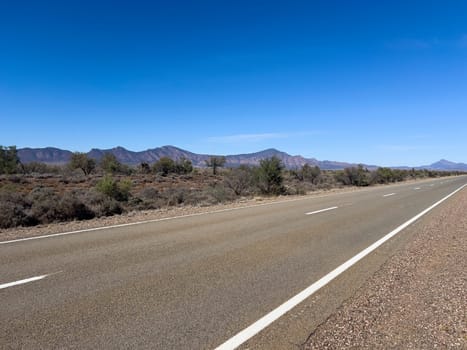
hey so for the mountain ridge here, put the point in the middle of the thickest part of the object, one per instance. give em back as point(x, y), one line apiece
point(57, 156)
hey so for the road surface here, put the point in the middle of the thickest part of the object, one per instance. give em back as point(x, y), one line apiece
point(194, 282)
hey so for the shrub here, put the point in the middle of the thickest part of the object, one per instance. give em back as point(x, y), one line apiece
point(82, 161)
point(183, 166)
point(102, 205)
point(9, 160)
point(118, 190)
point(144, 168)
point(269, 179)
point(164, 166)
point(239, 180)
point(14, 210)
point(219, 193)
point(110, 164)
point(215, 162)
point(40, 168)
point(355, 176)
point(175, 196)
point(70, 207)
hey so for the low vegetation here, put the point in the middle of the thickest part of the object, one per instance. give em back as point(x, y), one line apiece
point(37, 193)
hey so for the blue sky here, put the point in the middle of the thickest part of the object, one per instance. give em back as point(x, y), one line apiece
point(377, 82)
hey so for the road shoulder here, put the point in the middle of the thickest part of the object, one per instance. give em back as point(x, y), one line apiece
point(417, 299)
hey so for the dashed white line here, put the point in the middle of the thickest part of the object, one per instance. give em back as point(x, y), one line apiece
point(320, 211)
point(102, 228)
point(272, 316)
point(416, 188)
point(27, 280)
point(389, 194)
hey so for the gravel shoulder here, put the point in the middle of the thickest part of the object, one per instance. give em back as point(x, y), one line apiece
point(417, 300)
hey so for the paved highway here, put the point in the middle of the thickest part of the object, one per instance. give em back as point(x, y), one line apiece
point(194, 282)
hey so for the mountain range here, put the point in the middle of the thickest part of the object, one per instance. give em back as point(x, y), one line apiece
point(51, 155)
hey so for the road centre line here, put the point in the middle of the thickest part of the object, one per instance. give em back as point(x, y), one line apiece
point(389, 194)
point(27, 280)
point(320, 211)
point(416, 188)
point(272, 316)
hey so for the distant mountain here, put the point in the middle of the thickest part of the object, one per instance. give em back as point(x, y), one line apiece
point(52, 155)
point(49, 155)
point(446, 165)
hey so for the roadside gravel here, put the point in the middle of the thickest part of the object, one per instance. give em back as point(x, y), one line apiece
point(417, 300)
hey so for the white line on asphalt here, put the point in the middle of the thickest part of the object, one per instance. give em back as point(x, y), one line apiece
point(174, 217)
point(320, 211)
point(266, 320)
point(27, 280)
point(171, 218)
point(389, 194)
point(416, 188)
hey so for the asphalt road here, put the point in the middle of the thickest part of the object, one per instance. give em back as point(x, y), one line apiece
point(193, 282)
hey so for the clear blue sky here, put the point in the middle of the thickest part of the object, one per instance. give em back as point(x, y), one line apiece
point(380, 82)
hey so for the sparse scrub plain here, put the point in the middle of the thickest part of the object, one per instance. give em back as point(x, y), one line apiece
point(36, 193)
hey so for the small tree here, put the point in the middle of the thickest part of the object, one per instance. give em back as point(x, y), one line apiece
point(310, 174)
point(110, 164)
point(9, 160)
point(82, 161)
point(239, 180)
point(356, 176)
point(164, 166)
point(144, 168)
point(183, 166)
point(269, 177)
point(215, 162)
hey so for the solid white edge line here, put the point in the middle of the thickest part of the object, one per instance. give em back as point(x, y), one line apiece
point(389, 194)
point(266, 320)
point(320, 211)
point(27, 280)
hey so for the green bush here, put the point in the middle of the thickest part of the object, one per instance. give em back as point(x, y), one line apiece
point(164, 166)
point(269, 179)
point(110, 164)
point(118, 190)
point(82, 161)
point(9, 160)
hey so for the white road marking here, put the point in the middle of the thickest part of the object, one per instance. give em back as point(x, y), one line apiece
point(389, 194)
point(173, 218)
point(169, 218)
point(416, 188)
point(27, 280)
point(320, 211)
point(266, 320)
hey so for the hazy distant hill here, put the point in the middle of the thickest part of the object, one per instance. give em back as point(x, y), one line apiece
point(56, 156)
point(52, 155)
point(49, 155)
point(444, 164)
